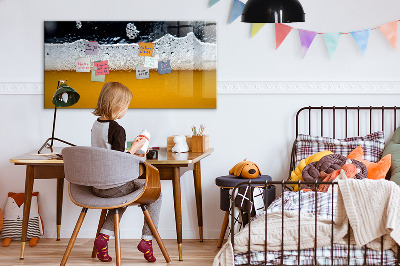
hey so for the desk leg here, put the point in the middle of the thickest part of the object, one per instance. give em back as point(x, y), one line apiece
point(27, 206)
point(176, 182)
point(60, 190)
point(199, 204)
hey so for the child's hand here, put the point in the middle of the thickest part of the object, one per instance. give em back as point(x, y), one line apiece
point(142, 155)
point(137, 144)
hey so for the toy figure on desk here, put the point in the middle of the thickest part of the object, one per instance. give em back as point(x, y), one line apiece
point(180, 144)
point(13, 215)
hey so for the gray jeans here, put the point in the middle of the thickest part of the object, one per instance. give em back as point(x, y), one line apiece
point(154, 208)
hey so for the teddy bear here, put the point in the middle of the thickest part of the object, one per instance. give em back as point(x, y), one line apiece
point(180, 144)
point(13, 215)
point(245, 169)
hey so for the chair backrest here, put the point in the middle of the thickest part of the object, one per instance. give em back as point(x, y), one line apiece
point(92, 166)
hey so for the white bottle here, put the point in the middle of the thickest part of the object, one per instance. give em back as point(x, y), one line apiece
point(144, 134)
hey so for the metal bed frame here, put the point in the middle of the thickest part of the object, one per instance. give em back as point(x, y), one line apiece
point(283, 184)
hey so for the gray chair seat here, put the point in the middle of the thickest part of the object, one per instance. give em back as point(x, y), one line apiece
point(83, 196)
point(85, 167)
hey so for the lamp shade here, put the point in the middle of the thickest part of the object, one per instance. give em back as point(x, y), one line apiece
point(273, 11)
point(65, 96)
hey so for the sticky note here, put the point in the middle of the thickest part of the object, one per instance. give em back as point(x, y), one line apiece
point(142, 72)
point(164, 67)
point(98, 78)
point(151, 62)
point(82, 64)
point(102, 67)
point(91, 48)
point(145, 49)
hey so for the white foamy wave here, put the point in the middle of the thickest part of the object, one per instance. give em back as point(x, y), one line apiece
point(185, 53)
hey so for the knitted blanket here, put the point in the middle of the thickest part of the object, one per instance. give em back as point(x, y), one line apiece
point(274, 235)
point(371, 207)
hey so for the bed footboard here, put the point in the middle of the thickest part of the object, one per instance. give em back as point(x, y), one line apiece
point(309, 256)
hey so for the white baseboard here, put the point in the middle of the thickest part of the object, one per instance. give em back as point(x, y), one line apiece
point(260, 87)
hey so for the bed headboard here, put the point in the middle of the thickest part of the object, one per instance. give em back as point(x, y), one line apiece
point(344, 121)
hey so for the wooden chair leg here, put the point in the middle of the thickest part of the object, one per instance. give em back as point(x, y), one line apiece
point(117, 238)
point(154, 230)
point(73, 237)
point(223, 229)
point(101, 222)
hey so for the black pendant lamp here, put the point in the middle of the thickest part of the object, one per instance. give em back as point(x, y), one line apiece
point(273, 11)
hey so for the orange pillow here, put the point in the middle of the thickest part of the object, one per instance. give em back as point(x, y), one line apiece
point(375, 170)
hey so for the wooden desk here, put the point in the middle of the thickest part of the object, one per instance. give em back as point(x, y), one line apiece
point(171, 167)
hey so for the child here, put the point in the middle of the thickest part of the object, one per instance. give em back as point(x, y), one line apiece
point(106, 133)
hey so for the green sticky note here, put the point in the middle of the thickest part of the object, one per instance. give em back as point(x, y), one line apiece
point(128, 145)
point(98, 78)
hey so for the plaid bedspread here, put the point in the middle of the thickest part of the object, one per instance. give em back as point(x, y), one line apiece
point(321, 205)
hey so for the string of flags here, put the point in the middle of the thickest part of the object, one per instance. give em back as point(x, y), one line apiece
point(100, 68)
point(361, 37)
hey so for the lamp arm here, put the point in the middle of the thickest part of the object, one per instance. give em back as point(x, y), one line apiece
point(54, 126)
point(46, 143)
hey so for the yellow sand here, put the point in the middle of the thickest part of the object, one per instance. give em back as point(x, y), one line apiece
point(179, 89)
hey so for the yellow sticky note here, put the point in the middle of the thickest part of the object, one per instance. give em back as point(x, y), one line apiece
point(145, 49)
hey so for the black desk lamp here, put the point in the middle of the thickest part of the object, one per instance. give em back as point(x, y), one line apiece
point(63, 97)
point(273, 11)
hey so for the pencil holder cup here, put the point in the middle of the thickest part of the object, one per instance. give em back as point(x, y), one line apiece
point(200, 143)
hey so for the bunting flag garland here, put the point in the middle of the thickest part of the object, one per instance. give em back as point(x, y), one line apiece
point(306, 39)
point(255, 28)
point(361, 38)
point(389, 30)
point(281, 31)
point(237, 9)
point(332, 41)
point(213, 2)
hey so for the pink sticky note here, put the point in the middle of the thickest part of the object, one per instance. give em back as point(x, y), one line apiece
point(101, 67)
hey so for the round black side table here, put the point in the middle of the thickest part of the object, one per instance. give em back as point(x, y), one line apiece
point(228, 182)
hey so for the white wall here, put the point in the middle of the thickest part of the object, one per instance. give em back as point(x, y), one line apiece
point(257, 127)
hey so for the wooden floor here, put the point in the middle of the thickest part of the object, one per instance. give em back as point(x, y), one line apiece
point(50, 252)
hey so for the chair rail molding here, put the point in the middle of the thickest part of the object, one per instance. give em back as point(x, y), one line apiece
point(259, 87)
point(21, 88)
point(309, 87)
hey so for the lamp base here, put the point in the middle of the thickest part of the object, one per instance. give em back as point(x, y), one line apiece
point(50, 146)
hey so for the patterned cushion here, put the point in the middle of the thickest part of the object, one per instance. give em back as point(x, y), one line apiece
point(372, 144)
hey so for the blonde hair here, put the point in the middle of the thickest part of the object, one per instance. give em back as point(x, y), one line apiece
point(112, 99)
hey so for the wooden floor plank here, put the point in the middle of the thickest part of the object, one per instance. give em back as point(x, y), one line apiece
point(49, 252)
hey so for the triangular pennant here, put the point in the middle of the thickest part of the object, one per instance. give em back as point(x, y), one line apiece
point(332, 41)
point(281, 31)
point(255, 28)
point(306, 39)
point(237, 9)
point(390, 32)
point(361, 37)
point(213, 2)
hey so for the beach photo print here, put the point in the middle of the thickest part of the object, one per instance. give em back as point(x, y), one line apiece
point(166, 64)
